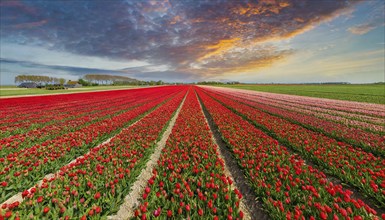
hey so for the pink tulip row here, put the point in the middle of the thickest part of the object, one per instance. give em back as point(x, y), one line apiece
point(354, 108)
point(369, 141)
point(348, 119)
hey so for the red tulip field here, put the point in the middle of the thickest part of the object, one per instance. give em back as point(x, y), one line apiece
point(190, 152)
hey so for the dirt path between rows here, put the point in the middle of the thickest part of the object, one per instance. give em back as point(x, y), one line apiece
point(131, 201)
point(249, 201)
point(243, 207)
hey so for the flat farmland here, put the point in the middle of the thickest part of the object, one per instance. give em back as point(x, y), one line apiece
point(190, 152)
point(15, 91)
point(371, 93)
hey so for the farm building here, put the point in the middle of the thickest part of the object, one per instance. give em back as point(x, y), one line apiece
point(72, 84)
point(28, 85)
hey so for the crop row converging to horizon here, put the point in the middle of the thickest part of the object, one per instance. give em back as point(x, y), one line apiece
point(190, 152)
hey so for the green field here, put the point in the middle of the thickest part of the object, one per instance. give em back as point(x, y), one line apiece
point(372, 93)
point(15, 91)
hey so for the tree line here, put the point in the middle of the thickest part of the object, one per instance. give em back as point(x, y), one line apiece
point(100, 79)
point(39, 79)
point(106, 79)
point(86, 80)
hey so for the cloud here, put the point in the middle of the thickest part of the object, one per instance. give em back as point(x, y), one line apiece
point(187, 37)
point(373, 20)
point(362, 28)
point(79, 71)
point(16, 67)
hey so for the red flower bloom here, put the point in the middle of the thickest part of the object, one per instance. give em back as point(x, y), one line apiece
point(169, 213)
point(40, 199)
point(46, 210)
point(157, 212)
point(8, 214)
point(97, 195)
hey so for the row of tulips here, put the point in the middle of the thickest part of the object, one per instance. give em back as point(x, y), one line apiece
point(15, 143)
point(363, 122)
point(94, 186)
point(189, 181)
point(47, 102)
point(354, 166)
point(16, 110)
point(352, 119)
point(362, 108)
point(316, 105)
point(22, 169)
point(19, 121)
point(288, 188)
point(369, 141)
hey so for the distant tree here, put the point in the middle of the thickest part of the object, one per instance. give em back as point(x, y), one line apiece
point(83, 82)
point(37, 79)
point(210, 83)
point(109, 79)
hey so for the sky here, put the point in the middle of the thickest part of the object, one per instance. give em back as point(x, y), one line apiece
point(265, 41)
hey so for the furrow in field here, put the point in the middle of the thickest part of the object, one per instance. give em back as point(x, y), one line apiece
point(249, 202)
point(132, 199)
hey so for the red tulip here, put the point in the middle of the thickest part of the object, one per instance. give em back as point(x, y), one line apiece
point(46, 210)
point(169, 213)
point(157, 212)
point(40, 199)
point(97, 195)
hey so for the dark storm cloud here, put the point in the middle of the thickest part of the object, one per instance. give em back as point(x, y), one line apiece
point(136, 72)
point(188, 36)
point(73, 70)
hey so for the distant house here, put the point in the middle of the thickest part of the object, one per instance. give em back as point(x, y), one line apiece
point(28, 85)
point(72, 84)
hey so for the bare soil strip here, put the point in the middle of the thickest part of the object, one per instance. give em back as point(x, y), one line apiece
point(250, 201)
point(227, 172)
point(131, 201)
